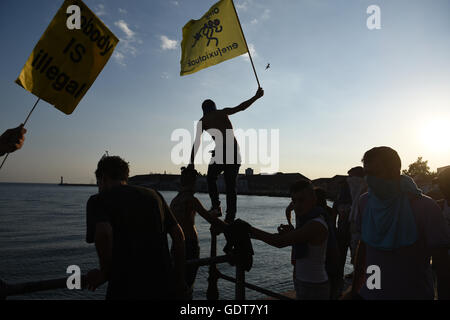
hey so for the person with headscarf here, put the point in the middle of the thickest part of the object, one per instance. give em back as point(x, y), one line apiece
point(401, 231)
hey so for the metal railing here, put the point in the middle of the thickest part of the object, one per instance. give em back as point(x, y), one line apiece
point(212, 293)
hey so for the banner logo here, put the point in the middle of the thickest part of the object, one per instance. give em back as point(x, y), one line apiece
point(208, 31)
point(214, 38)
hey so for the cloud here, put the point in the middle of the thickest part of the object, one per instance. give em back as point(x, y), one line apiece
point(128, 46)
point(100, 10)
point(167, 44)
point(264, 16)
point(119, 58)
point(251, 48)
point(122, 25)
point(122, 11)
point(242, 5)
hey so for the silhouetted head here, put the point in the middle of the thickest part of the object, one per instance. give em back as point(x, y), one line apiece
point(321, 197)
point(356, 172)
point(111, 171)
point(208, 106)
point(303, 196)
point(382, 162)
point(443, 180)
point(188, 178)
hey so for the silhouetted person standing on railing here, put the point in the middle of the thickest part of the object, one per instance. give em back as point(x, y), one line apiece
point(225, 157)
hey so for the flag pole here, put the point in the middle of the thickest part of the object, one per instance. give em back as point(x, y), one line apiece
point(248, 50)
point(24, 123)
point(29, 114)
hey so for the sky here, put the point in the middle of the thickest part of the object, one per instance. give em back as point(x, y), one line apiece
point(334, 90)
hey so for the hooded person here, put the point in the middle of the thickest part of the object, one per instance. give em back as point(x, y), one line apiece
point(401, 231)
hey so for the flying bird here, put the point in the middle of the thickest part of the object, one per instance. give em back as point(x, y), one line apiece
point(268, 66)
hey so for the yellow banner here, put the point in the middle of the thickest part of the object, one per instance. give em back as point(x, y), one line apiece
point(214, 38)
point(65, 63)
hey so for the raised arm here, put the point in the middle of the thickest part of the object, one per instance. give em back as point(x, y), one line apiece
point(244, 105)
point(198, 207)
point(305, 234)
point(103, 244)
point(289, 209)
point(196, 144)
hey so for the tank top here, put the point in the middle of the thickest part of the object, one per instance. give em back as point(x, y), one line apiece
point(311, 268)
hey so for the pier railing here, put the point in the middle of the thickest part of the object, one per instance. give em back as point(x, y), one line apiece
point(212, 293)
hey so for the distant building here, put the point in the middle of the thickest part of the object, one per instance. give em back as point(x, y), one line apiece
point(273, 184)
point(158, 181)
point(249, 183)
point(332, 185)
point(439, 170)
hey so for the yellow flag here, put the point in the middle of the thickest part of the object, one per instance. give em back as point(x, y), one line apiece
point(65, 63)
point(214, 38)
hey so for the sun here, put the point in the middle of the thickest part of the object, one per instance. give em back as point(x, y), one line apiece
point(435, 135)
